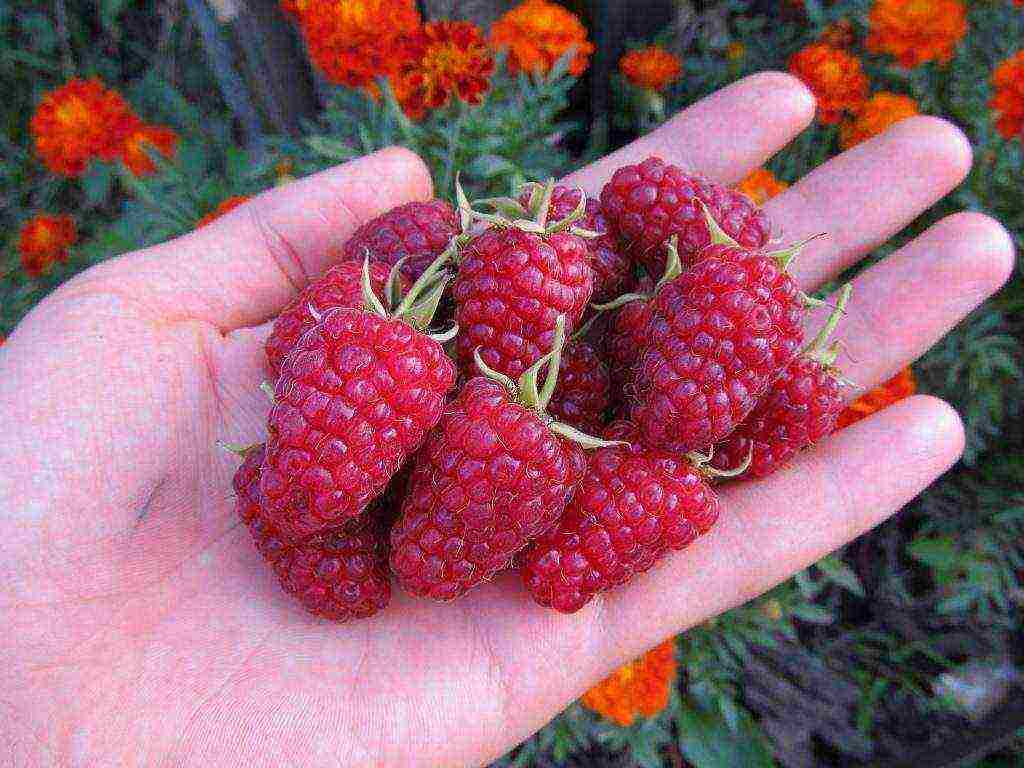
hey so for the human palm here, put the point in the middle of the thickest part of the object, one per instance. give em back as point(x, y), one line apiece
point(141, 626)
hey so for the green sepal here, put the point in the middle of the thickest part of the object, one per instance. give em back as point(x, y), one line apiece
point(268, 389)
point(621, 301)
point(505, 381)
point(718, 235)
point(582, 438)
point(370, 300)
point(239, 450)
point(673, 265)
point(465, 208)
point(819, 348)
point(528, 392)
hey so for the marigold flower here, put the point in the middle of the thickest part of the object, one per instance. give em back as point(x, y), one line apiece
point(835, 78)
point(639, 689)
point(222, 208)
point(43, 240)
point(881, 111)
point(353, 41)
point(760, 185)
point(81, 121)
point(900, 386)
point(916, 31)
point(652, 68)
point(537, 33)
point(443, 59)
point(135, 153)
point(1008, 99)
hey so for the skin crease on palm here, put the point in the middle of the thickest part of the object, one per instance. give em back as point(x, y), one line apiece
point(141, 628)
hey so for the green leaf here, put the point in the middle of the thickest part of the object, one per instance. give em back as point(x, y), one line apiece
point(813, 614)
point(110, 10)
point(332, 149)
point(840, 573)
point(940, 553)
point(706, 741)
point(96, 184)
point(490, 166)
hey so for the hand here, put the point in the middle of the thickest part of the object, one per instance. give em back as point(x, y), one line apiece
point(141, 627)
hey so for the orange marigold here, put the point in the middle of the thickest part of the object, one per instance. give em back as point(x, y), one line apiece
point(639, 689)
point(443, 59)
point(353, 41)
point(881, 111)
point(652, 68)
point(43, 240)
point(835, 78)
point(142, 141)
point(81, 121)
point(537, 33)
point(223, 207)
point(760, 185)
point(902, 385)
point(916, 31)
point(1008, 100)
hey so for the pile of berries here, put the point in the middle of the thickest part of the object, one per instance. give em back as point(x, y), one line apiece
point(555, 385)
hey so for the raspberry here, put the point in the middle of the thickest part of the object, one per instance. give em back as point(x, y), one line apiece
point(802, 407)
point(582, 396)
point(612, 270)
point(633, 505)
point(716, 337)
point(650, 202)
point(356, 397)
point(339, 575)
point(419, 231)
point(625, 338)
point(511, 287)
point(339, 286)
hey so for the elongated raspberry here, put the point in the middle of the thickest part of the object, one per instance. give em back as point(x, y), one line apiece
point(633, 505)
point(355, 398)
point(583, 394)
point(339, 286)
point(716, 337)
point(650, 202)
point(417, 231)
point(625, 338)
point(801, 407)
point(511, 287)
point(339, 575)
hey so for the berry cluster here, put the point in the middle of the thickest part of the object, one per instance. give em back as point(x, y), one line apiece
point(610, 359)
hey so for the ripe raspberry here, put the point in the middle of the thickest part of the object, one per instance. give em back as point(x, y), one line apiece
point(355, 398)
point(625, 338)
point(633, 505)
point(339, 575)
point(717, 336)
point(583, 394)
point(339, 286)
point(511, 287)
point(650, 202)
point(801, 407)
point(419, 231)
point(613, 271)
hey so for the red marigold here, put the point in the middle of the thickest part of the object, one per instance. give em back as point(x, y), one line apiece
point(639, 689)
point(441, 60)
point(135, 154)
point(835, 78)
point(353, 41)
point(897, 388)
point(652, 68)
point(916, 31)
point(537, 33)
point(760, 185)
point(882, 110)
point(223, 207)
point(43, 240)
point(81, 121)
point(1008, 99)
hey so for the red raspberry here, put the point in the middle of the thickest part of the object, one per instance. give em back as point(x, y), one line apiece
point(420, 231)
point(339, 575)
point(633, 505)
point(491, 477)
point(339, 286)
point(717, 336)
point(625, 338)
point(511, 287)
point(583, 394)
point(355, 398)
point(650, 202)
point(613, 271)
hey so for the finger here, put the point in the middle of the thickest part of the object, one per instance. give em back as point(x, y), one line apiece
point(901, 306)
point(772, 528)
point(869, 193)
point(243, 268)
point(723, 136)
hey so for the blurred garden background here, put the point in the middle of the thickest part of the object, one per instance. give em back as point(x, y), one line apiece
point(128, 122)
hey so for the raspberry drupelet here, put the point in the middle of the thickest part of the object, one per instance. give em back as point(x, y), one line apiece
point(583, 394)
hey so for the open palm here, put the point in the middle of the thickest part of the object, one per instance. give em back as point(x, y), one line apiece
point(141, 628)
